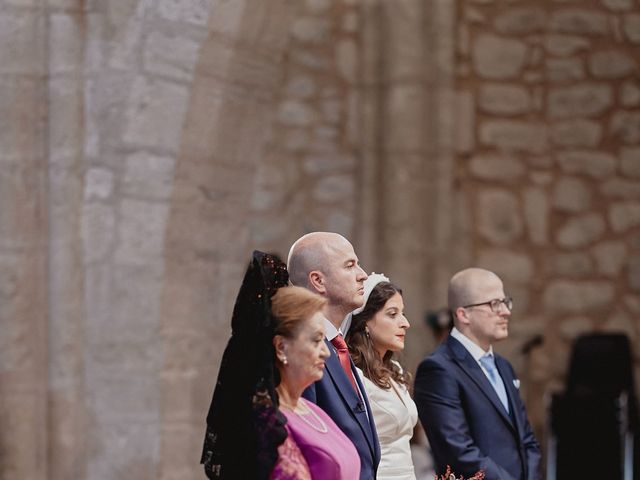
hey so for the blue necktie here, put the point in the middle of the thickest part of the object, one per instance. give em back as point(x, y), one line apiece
point(489, 363)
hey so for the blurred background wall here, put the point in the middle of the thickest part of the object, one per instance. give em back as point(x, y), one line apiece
point(147, 146)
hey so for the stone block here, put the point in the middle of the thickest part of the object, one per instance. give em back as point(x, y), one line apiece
point(621, 188)
point(587, 162)
point(406, 118)
point(465, 121)
point(581, 230)
point(66, 108)
point(296, 114)
point(630, 94)
point(565, 45)
point(148, 176)
point(509, 266)
point(625, 126)
point(347, 60)
point(631, 26)
point(579, 21)
point(311, 30)
point(301, 86)
point(141, 229)
point(574, 265)
point(66, 33)
point(155, 114)
point(22, 186)
point(560, 70)
point(23, 104)
point(633, 269)
point(322, 164)
point(98, 227)
point(630, 161)
point(576, 133)
point(610, 64)
point(498, 57)
point(502, 99)
point(573, 327)
point(98, 184)
point(565, 296)
point(521, 20)
point(194, 12)
point(170, 55)
point(536, 214)
point(610, 257)
point(587, 99)
point(334, 188)
point(23, 42)
point(618, 5)
point(350, 22)
point(515, 135)
point(499, 217)
point(571, 195)
point(497, 167)
point(296, 139)
point(624, 215)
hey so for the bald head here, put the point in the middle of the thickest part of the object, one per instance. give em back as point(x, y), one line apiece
point(311, 252)
point(469, 286)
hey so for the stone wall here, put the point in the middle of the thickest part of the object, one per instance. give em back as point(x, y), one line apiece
point(148, 146)
point(552, 97)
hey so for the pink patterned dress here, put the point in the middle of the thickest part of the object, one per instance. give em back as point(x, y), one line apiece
point(327, 453)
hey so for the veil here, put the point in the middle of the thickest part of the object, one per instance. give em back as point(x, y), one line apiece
point(244, 425)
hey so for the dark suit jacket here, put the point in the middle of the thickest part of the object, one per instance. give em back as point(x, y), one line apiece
point(336, 396)
point(467, 426)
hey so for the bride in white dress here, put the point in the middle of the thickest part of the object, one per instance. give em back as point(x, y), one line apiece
point(376, 331)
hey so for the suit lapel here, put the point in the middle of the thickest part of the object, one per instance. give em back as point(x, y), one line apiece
point(349, 396)
point(512, 392)
point(471, 368)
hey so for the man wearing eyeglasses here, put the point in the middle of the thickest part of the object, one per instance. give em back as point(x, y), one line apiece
point(467, 396)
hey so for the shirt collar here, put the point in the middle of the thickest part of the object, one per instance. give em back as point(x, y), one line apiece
point(475, 350)
point(331, 332)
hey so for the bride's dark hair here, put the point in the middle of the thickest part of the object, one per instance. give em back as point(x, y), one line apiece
point(379, 371)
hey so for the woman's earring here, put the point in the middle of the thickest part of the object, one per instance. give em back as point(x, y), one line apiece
point(366, 332)
point(284, 360)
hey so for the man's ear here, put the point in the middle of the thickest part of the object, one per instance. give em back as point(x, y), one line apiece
point(460, 315)
point(317, 281)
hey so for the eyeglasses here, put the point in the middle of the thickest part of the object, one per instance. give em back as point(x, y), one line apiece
point(495, 304)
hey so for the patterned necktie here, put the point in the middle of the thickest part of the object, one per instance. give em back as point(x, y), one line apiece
point(343, 355)
point(489, 363)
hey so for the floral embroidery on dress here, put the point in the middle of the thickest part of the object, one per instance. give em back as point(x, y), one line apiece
point(291, 464)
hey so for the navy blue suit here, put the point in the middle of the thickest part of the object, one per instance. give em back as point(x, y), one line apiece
point(467, 426)
point(334, 393)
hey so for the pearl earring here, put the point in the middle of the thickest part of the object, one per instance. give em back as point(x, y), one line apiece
point(284, 360)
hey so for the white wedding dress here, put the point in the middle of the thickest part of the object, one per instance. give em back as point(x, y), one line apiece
point(395, 415)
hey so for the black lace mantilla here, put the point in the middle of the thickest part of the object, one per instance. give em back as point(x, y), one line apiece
point(244, 426)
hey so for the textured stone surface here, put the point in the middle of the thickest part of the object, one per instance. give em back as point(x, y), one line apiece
point(618, 5)
point(579, 21)
point(625, 126)
point(562, 296)
point(610, 257)
point(560, 70)
point(624, 215)
point(514, 135)
point(630, 94)
point(592, 163)
point(504, 99)
point(630, 161)
point(572, 195)
point(581, 100)
point(564, 45)
point(510, 266)
point(498, 57)
point(634, 273)
point(536, 214)
point(576, 133)
point(620, 188)
point(499, 218)
point(581, 230)
point(494, 167)
point(576, 265)
point(521, 20)
point(631, 24)
point(611, 64)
